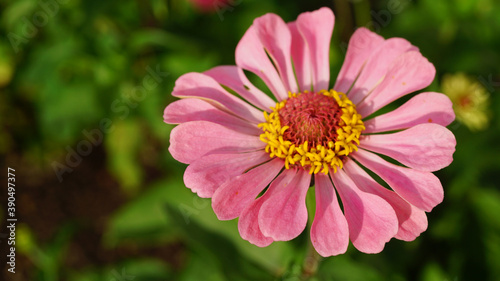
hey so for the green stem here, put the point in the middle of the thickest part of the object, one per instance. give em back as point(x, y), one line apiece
point(311, 262)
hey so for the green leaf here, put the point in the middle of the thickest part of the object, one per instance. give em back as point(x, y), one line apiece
point(143, 219)
point(217, 249)
point(141, 269)
point(344, 268)
point(123, 145)
point(433, 272)
point(157, 37)
point(199, 268)
point(487, 206)
point(144, 269)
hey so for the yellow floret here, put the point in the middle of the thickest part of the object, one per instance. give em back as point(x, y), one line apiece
point(320, 158)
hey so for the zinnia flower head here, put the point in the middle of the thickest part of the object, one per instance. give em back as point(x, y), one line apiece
point(470, 100)
point(239, 148)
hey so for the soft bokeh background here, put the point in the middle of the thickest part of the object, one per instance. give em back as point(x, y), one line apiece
point(98, 196)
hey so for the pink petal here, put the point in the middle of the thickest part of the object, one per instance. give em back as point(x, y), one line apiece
point(316, 29)
point(329, 230)
point(268, 33)
point(372, 221)
point(361, 45)
point(409, 72)
point(376, 67)
point(277, 41)
point(301, 59)
point(199, 85)
point(248, 222)
point(283, 216)
point(428, 107)
point(425, 147)
point(412, 221)
point(421, 189)
point(191, 109)
point(233, 77)
point(190, 141)
point(209, 172)
point(234, 195)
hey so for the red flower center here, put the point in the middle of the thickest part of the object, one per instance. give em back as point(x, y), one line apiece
point(313, 130)
point(312, 117)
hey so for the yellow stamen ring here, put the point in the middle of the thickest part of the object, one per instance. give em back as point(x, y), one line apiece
point(320, 158)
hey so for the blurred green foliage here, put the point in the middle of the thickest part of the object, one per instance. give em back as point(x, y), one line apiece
point(70, 69)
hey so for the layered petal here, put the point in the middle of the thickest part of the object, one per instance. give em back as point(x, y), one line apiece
point(236, 194)
point(408, 73)
point(209, 172)
point(412, 221)
point(329, 230)
point(421, 189)
point(426, 147)
point(316, 30)
point(283, 216)
point(187, 110)
point(377, 65)
point(248, 222)
point(198, 85)
point(234, 78)
point(192, 140)
point(361, 46)
point(301, 59)
point(269, 35)
point(372, 221)
point(428, 107)
point(276, 39)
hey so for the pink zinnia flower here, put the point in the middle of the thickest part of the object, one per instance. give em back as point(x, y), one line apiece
point(236, 148)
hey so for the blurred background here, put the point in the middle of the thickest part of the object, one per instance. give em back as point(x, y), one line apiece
point(83, 85)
